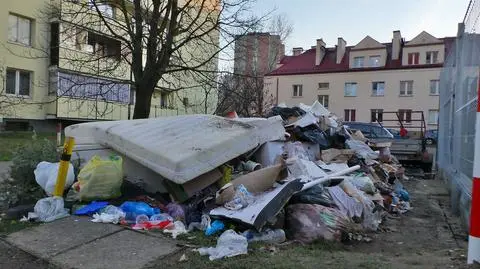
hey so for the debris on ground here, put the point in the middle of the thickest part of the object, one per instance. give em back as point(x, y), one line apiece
point(297, 175)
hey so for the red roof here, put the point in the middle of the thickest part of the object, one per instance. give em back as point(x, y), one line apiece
point(305, 62)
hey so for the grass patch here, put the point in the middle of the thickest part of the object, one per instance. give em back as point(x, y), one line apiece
point(10, 141)
point(11, 226)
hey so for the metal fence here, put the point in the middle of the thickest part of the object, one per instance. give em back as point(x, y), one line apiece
point(458, 107)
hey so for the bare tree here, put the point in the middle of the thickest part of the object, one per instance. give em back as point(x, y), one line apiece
point(243, 91)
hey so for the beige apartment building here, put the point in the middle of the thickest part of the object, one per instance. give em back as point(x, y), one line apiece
point(361, 82)
point(59, 64)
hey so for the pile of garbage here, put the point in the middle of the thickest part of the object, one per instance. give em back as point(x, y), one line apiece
point(299, 174)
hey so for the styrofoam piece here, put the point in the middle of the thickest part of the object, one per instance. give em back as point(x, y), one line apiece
point(305, 120)
point(318, 109)
point(180, 148)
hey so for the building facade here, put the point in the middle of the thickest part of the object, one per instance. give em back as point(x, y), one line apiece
point(58, 66)
point(256, 54)
point(361, 82)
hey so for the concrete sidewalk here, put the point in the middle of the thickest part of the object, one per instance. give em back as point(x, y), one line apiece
point(76, 242)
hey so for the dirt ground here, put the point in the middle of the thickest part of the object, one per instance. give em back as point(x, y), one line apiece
point(427, 237)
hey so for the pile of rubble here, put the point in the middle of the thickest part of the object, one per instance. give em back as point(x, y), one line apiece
point(298, 174)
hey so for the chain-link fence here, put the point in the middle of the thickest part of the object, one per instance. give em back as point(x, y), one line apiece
point(458, 110)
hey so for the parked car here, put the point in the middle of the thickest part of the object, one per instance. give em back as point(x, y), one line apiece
point(370, 130)
point(431, 137)
point(395, 133)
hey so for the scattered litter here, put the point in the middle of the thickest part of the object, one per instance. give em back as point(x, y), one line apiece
point(183, 258)
point(215, 227)
point(176, 229)
point(91, 208)
point(109, 214)
point(268, 236)
point(133, 209)
point(229, 244)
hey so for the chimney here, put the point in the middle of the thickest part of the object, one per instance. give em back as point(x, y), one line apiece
point(319, 51)
point(396, 45)
point(297, 51)
point(341, 49)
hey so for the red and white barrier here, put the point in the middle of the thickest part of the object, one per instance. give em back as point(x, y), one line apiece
point(474, 237)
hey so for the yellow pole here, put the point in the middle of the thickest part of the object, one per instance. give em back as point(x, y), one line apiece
point(63, 168)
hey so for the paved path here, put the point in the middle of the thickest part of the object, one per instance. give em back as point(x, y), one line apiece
point(4, 170)
point(76, 242)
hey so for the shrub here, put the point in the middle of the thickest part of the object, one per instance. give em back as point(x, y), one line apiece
point(23, 188)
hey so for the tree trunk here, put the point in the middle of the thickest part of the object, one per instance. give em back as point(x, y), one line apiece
point(142, 103)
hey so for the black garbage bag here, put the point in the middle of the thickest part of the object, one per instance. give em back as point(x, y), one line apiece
point(286, 112)
point(315, 195)
point(313, 134)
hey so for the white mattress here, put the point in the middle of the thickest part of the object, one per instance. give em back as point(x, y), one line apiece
point(180, 148)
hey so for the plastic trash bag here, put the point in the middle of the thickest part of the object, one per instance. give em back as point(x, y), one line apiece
point(241, 199)
point(177, 229)
point(49, 209)
point(363, 183)
point(361, 149)
point(46, 176)
point(100, 179)
point(307, 223)
point(314, 195)
point(110, 214)
point(229, 244)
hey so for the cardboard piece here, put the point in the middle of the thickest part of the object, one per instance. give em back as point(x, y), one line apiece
point(256, 182)
point(182, 192)
point(266, 206)
point(336, 155)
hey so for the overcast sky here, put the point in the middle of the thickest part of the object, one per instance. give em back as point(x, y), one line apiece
point(354, 19)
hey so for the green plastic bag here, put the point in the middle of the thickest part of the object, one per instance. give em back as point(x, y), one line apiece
point(100, 179)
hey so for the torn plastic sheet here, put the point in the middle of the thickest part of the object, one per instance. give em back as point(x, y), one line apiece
point(333, 167)
point(305, 120)
point(265, 206)
point(229, 244)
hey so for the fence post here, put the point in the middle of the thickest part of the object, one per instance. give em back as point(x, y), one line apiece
point(474, 236)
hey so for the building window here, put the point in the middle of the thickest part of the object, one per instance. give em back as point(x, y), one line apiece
point(413, 58)
point(349, 115)
point(405, 115)
point(431, 57)
point(18, 82)
point(350, 89)
point(434, 87)
point(358, 62)
point(323, 86)
point(406, 88)
point(376, 115)
point(378, 88)
point(297, 90)
point(19, 30)
point(433, 116)
point(106, 9)
point(323, 99)
point(374, 61)
point(164, 100)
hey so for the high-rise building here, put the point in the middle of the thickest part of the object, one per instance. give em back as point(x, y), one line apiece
point(257, 54)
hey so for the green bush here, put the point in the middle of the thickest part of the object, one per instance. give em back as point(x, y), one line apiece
point(23, 188)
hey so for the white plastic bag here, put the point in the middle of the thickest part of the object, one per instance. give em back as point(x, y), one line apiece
point(46, 176)
point(110, 214)
point(229, 244)
point(50, 208)
point(363, 183)
point(178, 228)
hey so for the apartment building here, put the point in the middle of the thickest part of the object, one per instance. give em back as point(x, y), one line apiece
point(361, 82)
point(256, 54)
point(60, 67)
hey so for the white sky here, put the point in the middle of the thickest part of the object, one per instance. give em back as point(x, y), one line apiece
point(354, 19)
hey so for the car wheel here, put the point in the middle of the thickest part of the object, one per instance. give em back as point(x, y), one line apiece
point(429, 141)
